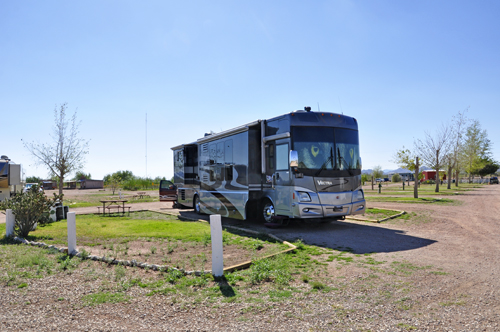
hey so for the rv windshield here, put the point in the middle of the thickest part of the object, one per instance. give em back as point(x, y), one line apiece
point(324, 151)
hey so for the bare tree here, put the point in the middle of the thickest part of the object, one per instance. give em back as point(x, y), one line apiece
point(459, 124)
point(377, 172)
point(432, 149)
point(66, 152)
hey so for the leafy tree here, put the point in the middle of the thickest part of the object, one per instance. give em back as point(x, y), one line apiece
point(121, 176)
point(33, 179)
point(113, 182)
point(66, 152)
point(82, 176)
point(30, 209)
point(476, 149)
point(433, 148)
point(365, 178)
point(406, 159)
point(377, 172)
point(488, 169)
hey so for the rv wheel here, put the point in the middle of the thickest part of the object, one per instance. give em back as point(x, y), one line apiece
point(267, 211)
point(196, 205)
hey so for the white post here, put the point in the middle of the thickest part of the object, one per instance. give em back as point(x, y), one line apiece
point(9, 223)
point(71, 218)
point(216, 233)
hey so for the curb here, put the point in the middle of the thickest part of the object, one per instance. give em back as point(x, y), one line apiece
point(400, 213)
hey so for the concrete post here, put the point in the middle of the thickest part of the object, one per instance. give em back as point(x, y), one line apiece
point(71, 220)
point(216, 234)
point(10, 221)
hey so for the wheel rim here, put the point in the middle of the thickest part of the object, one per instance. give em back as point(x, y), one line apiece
point(268, 212)
point(197, 204)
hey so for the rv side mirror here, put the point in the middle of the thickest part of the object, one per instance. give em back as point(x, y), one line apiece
point(294, 159)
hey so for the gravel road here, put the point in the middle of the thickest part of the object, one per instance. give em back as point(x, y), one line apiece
point(461, 242)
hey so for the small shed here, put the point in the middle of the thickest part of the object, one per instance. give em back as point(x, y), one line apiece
point(91, 184)
point(431, 175)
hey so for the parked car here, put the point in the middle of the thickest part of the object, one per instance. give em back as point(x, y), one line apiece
point(379, 180)
point(29, 185)
point(168, 191)
point(493, 179)
point(387, 180)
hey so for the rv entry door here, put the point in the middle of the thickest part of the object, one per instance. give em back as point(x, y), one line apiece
point(282, 183)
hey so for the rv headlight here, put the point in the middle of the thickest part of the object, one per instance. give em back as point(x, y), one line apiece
point(304, 197)
point(357, 195)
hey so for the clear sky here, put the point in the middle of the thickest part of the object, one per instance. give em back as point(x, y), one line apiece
point(197, 66)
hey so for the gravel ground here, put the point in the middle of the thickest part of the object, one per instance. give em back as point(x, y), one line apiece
point(460, 242)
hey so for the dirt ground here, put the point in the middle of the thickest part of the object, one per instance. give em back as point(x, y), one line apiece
point(461, 242)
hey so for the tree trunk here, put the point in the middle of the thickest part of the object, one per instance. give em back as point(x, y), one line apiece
point(415, 187)
point(372, 182)
point(450, 175)
point(437, 171)
point(61, 179)
point(457, 173)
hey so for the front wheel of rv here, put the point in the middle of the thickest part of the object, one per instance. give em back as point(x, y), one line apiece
point(267, 211)
point(196, 205)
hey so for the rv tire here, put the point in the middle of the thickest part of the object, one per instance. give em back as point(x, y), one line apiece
point(267, 211)
point(196, 205)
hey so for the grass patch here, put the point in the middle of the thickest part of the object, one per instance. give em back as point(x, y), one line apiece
point(103, 297)
point(421, 200)
point(100, 227)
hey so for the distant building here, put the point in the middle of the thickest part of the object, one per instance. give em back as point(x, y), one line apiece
point(431, 175)
point(404, 173)
point(91, 184)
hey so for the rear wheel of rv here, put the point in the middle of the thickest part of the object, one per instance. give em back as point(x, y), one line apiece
point(196, 205)
point(267, 211)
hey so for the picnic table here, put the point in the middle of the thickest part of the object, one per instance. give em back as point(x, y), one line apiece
point(141, 194)
point(111, 204)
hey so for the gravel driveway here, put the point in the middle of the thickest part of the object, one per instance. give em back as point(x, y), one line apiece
point(461, 242)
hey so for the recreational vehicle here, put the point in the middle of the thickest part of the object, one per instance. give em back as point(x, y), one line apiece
point(300, 165)
point(10, 178)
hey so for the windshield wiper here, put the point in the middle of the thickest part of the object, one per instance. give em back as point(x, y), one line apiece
point(341, 159)
point(330, 159)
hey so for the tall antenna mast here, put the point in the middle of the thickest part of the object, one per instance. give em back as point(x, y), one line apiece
point(146, 144)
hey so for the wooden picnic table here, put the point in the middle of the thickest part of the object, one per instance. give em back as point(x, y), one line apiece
point(113, 204)
point(141, 194)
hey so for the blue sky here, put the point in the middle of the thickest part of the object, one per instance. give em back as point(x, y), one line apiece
point(197, 66)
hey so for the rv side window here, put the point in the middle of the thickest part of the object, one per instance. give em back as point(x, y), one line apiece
point(270, 158)
point(229, 172)
point(228, 160)
point(282, 157)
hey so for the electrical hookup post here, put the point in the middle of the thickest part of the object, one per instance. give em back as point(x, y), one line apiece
point(216, 235)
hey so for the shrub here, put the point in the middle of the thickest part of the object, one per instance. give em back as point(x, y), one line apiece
point(30, 209)
point(396, 177)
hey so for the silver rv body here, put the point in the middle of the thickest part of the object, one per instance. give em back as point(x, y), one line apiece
point(301, 165)
point(10, 178)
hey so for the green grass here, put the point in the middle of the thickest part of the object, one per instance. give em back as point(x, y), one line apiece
point(100, 227)
point(424, 190)
point(104, 297)
point(410, 200)
point(378, 214)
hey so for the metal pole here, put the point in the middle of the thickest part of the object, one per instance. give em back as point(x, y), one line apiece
point(216, 234)
point(71, 220)
point(9, 223)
